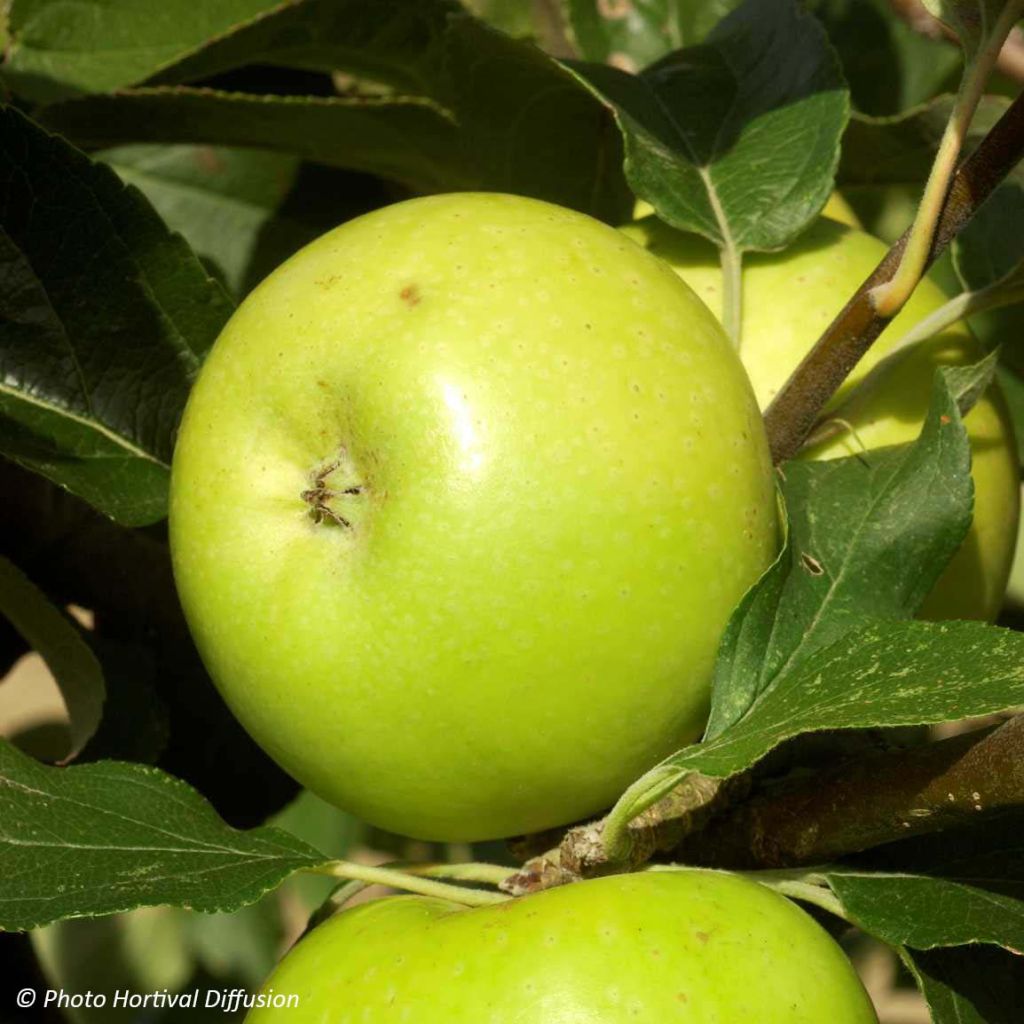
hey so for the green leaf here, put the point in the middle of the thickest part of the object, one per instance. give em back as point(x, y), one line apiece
point(59, 49)
point(943, 889)
point(630, 34)
point(988, 260)
point(513, 17)
point(517, 121)
point(489, 112)
point(970, 984)
point(868, 538)
point(243, 212)
point(736, 139)
point(397, 43)
point(106, 837)
point(105, 316)
point(889, 65)
point(887, 674)
point(50, 632)
point(900, 150)
point(989, 247)
point(883, 675)
point(409, 140)
point(220, 199)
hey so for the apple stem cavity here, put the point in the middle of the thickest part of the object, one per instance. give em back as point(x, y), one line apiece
point(329, 503)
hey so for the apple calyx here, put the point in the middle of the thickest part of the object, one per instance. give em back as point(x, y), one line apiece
point(333, 496)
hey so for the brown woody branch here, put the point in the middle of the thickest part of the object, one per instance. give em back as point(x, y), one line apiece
point(874, 800)
point(793, 414)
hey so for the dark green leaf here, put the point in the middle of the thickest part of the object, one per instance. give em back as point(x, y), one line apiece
point(408, 140)
point(397, 43)
point(943, 889)
point(58, 640)
point(105, 316)
point(736, 139)
point(105, 837)
point(481, 108)
point(989, 261)
point(59, 49)
point(868, 538)
point(889, 65)
point(900, 150)
point(491, 112)
point(630, 34)
point(970, 984)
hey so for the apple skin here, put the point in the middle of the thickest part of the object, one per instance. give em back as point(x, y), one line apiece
point(566, 489)
point(693, 947)
point(789, 298)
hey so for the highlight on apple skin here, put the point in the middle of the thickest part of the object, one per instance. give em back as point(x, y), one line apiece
point(462, 501)
point(693, 947)
point(789, 298)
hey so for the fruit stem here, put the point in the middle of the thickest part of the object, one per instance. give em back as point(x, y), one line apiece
point(795, 410)
point(473, 871)
point(890, 296)
point(411, 880)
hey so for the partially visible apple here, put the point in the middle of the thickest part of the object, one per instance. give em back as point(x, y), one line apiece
point(694, 947)
point(462, 501)
point(789, 298)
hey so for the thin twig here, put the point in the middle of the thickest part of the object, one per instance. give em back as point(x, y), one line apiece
point(792, 415)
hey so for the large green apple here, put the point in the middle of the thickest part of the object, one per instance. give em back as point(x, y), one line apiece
point(692, 947)
point(789, 298)
point(461, 503)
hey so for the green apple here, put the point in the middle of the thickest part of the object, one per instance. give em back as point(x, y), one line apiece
point(789, 298)
point(461, 503)
point(693, 947)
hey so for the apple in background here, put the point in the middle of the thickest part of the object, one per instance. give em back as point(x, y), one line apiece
point(694, 947)
point(461, 504)
point(789, 298)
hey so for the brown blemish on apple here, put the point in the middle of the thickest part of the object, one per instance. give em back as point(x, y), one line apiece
point(328, 281)
point(410, 295)
point(703, 937)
